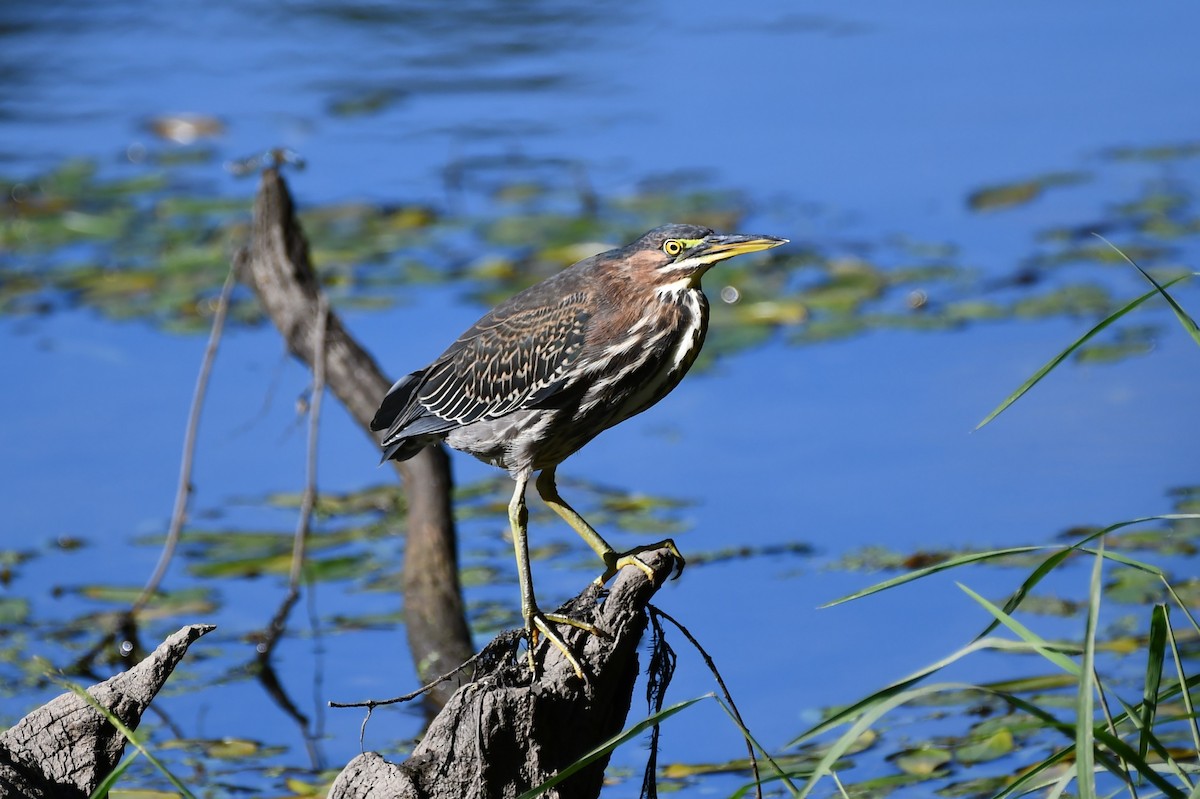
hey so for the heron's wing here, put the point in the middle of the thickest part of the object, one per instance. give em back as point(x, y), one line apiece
point(513, 358)
point(397, 402)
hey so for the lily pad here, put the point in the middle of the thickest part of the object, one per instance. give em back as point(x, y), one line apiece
point(996, 745)
point(923, 762)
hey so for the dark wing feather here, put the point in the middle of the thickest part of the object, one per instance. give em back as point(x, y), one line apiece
point(510, 356)
point(518, 356)
point(397, 401)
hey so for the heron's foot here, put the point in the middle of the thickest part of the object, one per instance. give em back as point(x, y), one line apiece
point(538, 623)
point(615, 561)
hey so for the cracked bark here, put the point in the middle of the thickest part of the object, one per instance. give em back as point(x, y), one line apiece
point(66, 747)
point(502, 734)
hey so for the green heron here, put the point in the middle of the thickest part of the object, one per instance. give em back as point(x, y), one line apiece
point(552, 367)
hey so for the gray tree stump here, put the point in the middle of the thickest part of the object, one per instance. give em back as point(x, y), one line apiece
point(66, 747)
point(505, 733)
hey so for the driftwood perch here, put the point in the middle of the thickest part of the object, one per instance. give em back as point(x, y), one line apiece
point(66, 747)
point(276, 266)
point(505, 733)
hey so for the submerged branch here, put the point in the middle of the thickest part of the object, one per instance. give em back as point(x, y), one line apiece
point(265, 669)
point(276, 266)
point(308, 498)
point(124, 623)
point(183, 492)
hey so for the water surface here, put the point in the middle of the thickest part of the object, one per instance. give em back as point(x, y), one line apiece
point(856, 132)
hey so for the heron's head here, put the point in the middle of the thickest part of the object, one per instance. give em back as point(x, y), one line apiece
point(674, 254)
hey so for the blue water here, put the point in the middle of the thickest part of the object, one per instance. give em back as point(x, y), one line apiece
point(840, 124)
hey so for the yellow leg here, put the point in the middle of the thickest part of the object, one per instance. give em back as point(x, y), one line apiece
point(535, 621)
point(613, 561)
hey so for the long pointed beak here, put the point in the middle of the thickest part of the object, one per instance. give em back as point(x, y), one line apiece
point(718, 248)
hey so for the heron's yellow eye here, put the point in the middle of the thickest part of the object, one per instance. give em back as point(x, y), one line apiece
point(672, 247)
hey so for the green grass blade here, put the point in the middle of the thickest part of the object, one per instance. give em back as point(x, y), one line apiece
point(1035, 684)
point(1130, 756)
point(1162, 517)
point(1036, 576)
point(754, 742)
point(1059, 786)
point(1113, 754)
point(111, 778)
point(1189, 324)
point(612, 743)
point(1183, 682)
point(868, 711)
point(869, 716)
point(1182, 605)
point(1024, 783)
point(1120, 768)
point(976, 557)
point(1156, 653)
point(852, 712)
point(917, 574)
point(1039, 644)
point(124, 730)
point(1113, 746)
point(887, 703)
point(1085, 709)
point(1134, 716)
point(1125, 560)
point(1056, 360)
point(1052, 562)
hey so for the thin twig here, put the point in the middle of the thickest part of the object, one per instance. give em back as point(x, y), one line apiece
point(308, 499)
point(318, 682)
point(712, 666)
point(183, 491)
point(278, 623)
point(374, 703)
point(307, 502)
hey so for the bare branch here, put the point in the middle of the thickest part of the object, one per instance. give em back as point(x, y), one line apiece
point(183, 491)
point(276, 265)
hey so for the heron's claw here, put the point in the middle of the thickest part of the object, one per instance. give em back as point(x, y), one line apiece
point(615, 561)
point(537, 623)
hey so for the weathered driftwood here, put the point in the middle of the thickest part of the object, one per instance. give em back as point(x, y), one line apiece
point(66, 747)
point(506, 733)
point(276, 266)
